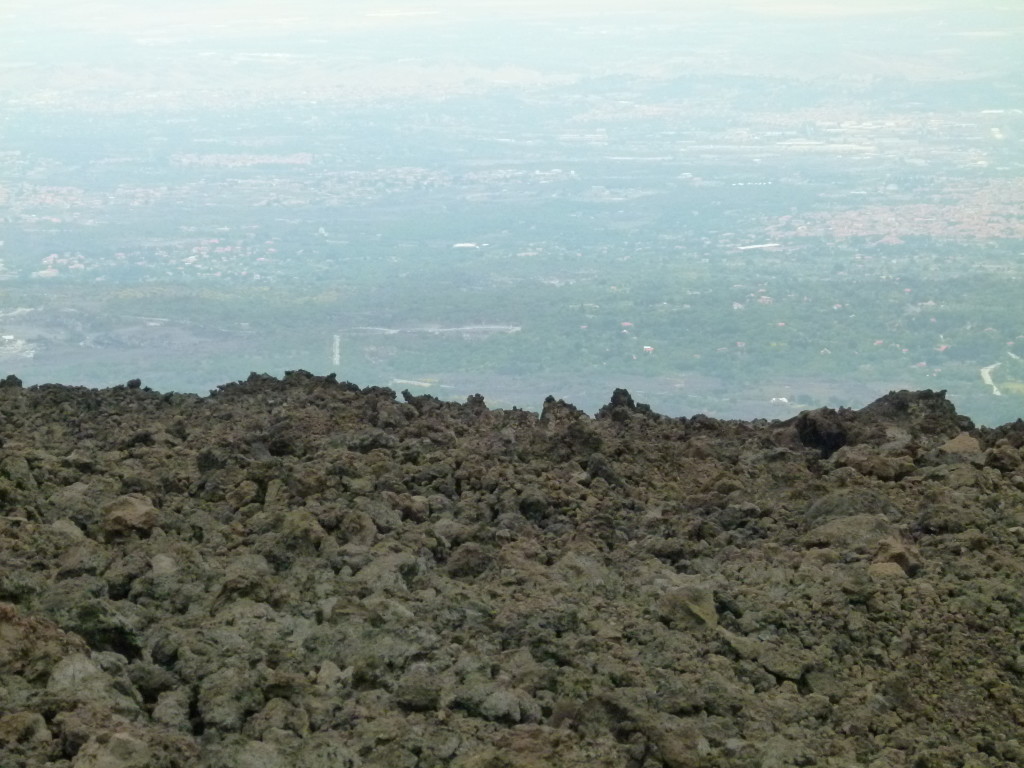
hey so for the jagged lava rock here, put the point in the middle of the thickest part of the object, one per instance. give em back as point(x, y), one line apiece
point(300, 572)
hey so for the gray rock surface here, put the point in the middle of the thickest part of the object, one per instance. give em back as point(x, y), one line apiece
point(298, 572)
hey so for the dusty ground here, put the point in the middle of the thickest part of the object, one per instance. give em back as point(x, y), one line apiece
point(300, 573)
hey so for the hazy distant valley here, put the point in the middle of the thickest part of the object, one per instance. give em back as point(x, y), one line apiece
point(661, 209)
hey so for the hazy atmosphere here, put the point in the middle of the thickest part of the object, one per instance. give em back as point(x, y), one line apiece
point(744, 209)
point(511, 384)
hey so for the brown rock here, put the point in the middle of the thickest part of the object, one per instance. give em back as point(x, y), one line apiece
point(1003, 457)
point(16, 469)
point(116, 750)
point(87, 557)
point(357, 527)
point(31, 646)
point(861, 534)
point(886, 570)
point(419, 688)
point(688, 607)
point(23, 727)
point(892, 550)
point(847, 502)
point(172, 710)
point(962, 444)
point(132, 514)
point(469, 559)
point(246, 492)
point(868, 461)
point(679, 743)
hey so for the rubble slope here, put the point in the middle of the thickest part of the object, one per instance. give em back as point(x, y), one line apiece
point(298, 572)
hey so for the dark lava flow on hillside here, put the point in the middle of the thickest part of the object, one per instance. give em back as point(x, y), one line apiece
point(299, 572)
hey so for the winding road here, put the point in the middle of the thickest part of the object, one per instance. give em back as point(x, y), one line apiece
point(986, 376)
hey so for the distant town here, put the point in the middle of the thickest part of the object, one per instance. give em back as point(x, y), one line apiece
point(735, 236)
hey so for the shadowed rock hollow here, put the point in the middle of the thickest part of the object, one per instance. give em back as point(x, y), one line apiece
point(298, 572)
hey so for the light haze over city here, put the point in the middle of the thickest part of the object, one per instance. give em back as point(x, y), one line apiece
point(744, 209)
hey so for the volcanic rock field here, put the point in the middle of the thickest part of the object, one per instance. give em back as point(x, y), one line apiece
point(299, 572)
